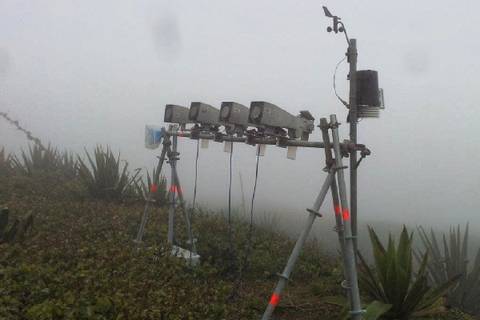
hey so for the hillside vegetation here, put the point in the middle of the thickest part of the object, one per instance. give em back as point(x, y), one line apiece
point(67, 252)
point(79, 261)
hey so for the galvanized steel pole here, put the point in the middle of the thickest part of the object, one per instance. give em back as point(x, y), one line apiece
point(324, 126)
point(350, 261)
point(143, 223)
point(352, 60)
point(285, 275)
point(179, 191)
point(172, 157)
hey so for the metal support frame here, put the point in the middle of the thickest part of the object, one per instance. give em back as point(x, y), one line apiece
point(145, 215)
point(174, 188)
point(352, 54)
point(345, 146)
point(343, 226)
point(350, 253)
point(169, 150)
point(285, 275)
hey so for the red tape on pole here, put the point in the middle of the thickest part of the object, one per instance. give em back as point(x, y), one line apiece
point(338, 210)
point(175, 189)
point(153, 188)
point(346, 214)
point(275, 299)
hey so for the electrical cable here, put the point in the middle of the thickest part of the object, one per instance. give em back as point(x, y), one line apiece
point(230, 233)
point(194, 201)
point(230, 187)
point(196, 176)
point(248, 249)
point(250, 230)
point(335, 83)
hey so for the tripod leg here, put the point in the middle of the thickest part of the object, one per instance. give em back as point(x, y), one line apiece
point(143, 223)
point(349, 254)
point(298, 247)
point(187, 215)
point(336, 203)
point(172, 157)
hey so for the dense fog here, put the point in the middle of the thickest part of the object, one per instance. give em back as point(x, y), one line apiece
point(81, 73)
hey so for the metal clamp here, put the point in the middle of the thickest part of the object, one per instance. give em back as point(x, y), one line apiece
point(355, 312)
point(338, 229)
point(345, 285)
point(334, 125)
point(281, 275)
point(218, 137)
point(318, 214)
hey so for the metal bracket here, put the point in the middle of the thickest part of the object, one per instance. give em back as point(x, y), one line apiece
point(282, 142)
point(364, 153)
point(318, 214)
point(345, 285)
point(337, 229)
point(218, 137)
point(281, 275)
point(335, 125)
point(358, 312)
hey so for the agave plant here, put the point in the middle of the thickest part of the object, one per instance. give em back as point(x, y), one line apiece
point(392, 281)
point(104, 177)
point(16, 230)
point(38, 159)
point(5, 162)
point(154, 187)
point(68, 164)
point(452, 260)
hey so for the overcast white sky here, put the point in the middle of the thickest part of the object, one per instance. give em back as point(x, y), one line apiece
point(78, 73)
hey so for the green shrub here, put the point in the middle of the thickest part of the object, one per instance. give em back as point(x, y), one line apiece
point(450, 261)
point(104, 177)
point(154, 187)
point(393, 281)
point(16, 230)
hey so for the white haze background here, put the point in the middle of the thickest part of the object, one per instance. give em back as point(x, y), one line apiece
point(81, 73)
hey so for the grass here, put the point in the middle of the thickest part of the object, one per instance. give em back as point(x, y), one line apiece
point(79, 262)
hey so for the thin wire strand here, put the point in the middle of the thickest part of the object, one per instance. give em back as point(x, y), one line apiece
point(230, 188)
point(192, 244)
point(335, 82)
point(250, 228)
point(244, 265)
point(196, 176)
point(230, 229)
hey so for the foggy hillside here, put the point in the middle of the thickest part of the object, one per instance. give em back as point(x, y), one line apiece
point(78, 74)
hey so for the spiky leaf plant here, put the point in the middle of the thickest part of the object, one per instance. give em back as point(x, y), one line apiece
point(5, 162)
point(68, 164)
point(16, 230)
point(154, 186)
point(104, 177)
point(450, 259)
point(37, 159)
point(392, 280)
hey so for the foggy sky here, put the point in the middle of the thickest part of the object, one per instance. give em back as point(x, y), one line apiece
point(78, 73)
